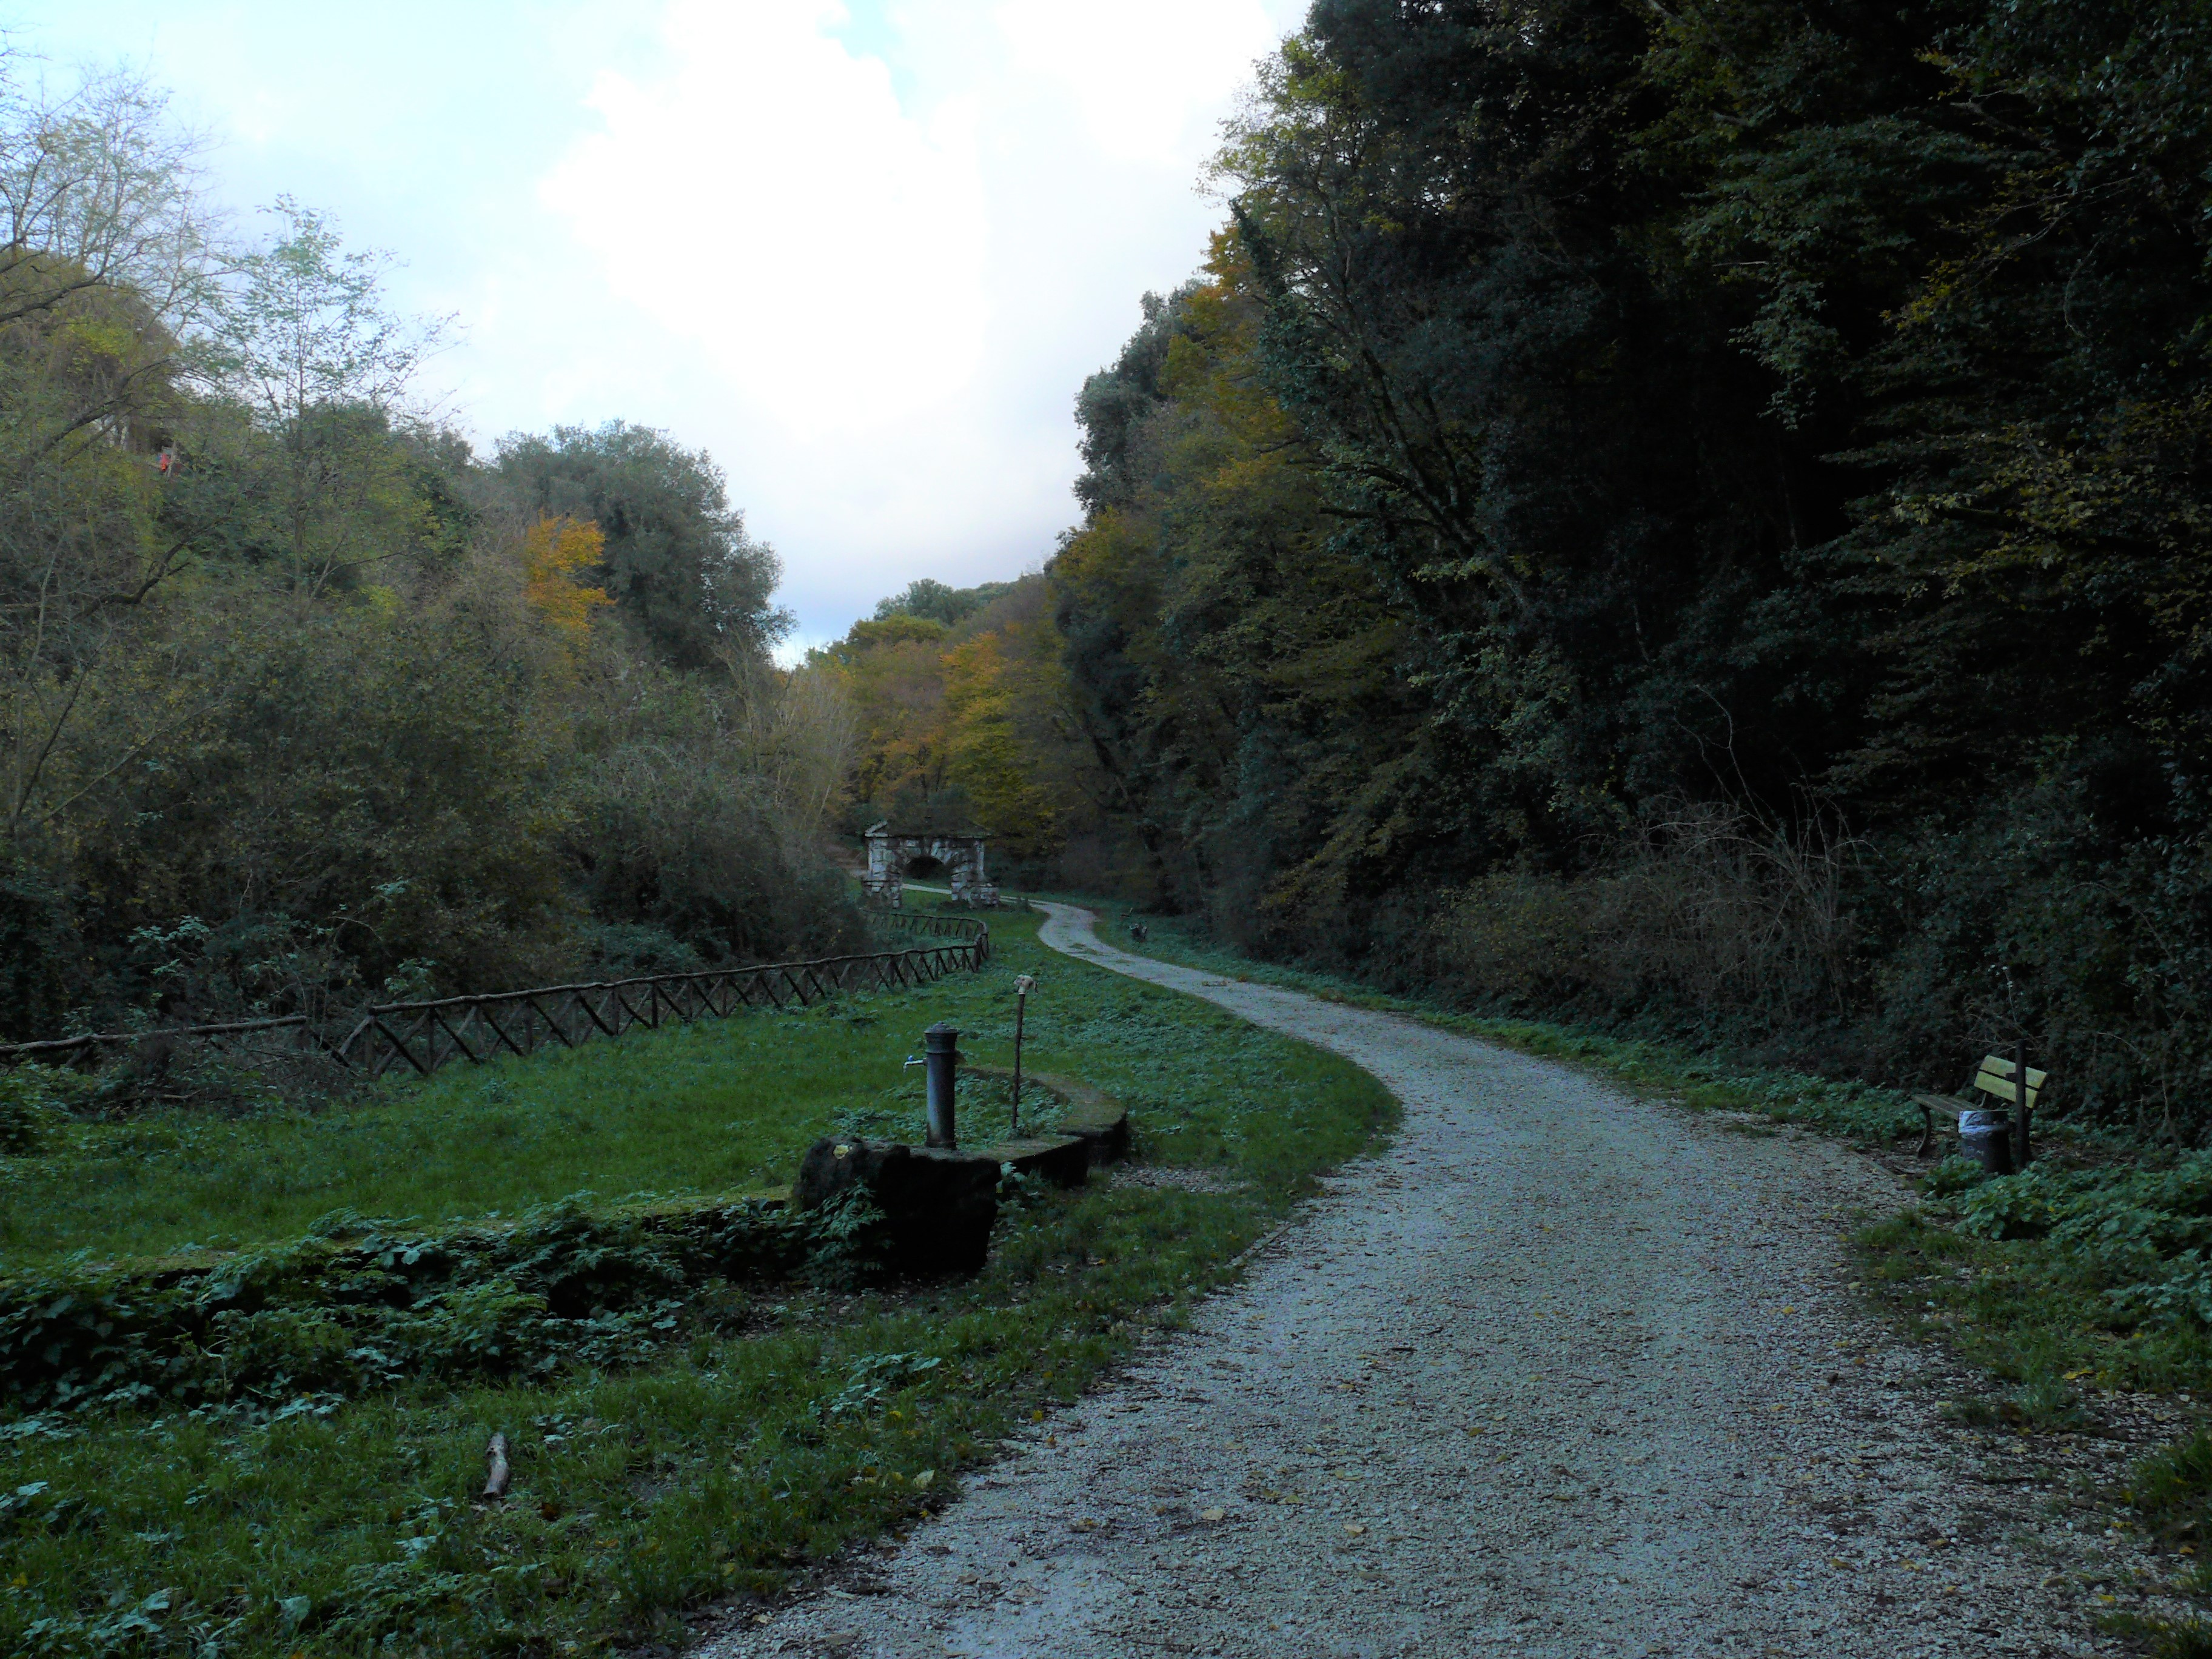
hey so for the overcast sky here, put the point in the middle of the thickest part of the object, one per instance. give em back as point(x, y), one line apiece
point(864, 253)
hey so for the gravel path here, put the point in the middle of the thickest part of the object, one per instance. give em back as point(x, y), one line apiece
point(1560, 1372)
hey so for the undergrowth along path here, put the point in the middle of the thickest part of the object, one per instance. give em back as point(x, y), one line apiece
point(1561, 1372)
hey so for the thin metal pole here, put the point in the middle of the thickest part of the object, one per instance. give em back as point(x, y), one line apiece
point(1023, 986)
point(940, 1058)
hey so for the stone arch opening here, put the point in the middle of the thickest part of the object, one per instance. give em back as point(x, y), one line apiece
point(954, 857)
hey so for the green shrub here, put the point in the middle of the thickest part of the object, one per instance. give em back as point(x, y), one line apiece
point(2131, 1212)
point(670, 839)
point(348, 1314)
point(1952, 1177)
point(2186, 1638)
point(2172, 1489)
point(27, 1101)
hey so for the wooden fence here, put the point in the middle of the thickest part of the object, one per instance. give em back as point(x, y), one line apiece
point(422, 1036)
point(933, 923)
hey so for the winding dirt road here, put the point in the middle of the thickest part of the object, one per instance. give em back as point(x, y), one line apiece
point(1560, 1371)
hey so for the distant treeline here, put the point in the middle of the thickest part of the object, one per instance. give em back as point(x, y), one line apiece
point(301, 700)
point(1692, 516)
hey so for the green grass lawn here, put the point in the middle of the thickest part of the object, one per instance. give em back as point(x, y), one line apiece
point(795, 1421)
point(722, 1104)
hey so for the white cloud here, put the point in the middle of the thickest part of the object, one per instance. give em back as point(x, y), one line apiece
point(769, 200)
point(1149, 75)
point(879, 255)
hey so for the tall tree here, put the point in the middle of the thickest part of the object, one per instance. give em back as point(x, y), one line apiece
point(320, 368)
point(1737, 413)
point(694, 587)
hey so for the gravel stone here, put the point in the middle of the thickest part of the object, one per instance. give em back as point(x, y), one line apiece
point(1561, 1372)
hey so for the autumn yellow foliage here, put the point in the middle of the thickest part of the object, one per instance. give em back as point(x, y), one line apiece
point(553, 551)
point(964, 726)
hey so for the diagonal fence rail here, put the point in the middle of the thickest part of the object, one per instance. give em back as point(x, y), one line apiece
point(424, 1036)
point(925, 921)
point(420, 1036)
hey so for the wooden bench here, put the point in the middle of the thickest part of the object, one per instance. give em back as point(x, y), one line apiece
point(1992, 1082)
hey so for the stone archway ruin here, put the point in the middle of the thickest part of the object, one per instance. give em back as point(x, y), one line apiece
point(893, 853)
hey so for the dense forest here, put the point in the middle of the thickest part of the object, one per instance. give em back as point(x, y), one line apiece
point(304, 703)
point(1691, 517)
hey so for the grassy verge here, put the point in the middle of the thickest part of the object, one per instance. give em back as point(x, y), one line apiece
point(1701, 1081)
point(2091, 1276)
point(2078, 1291)
point(770, 1429)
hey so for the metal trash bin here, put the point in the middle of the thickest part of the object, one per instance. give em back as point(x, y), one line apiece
point(1986, 1136)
